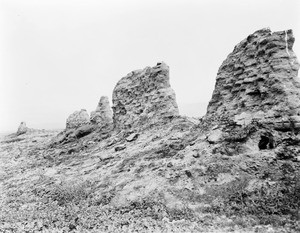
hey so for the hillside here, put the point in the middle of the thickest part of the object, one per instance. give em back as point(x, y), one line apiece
point(141, 167)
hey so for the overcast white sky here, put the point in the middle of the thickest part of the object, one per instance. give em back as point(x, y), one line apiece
point(60, 56)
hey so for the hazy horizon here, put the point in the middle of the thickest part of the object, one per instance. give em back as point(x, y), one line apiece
point(185, 109)
point(61, 56)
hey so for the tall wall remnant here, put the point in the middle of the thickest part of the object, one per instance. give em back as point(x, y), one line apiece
point(103, 113)
point(143, 95)
point(259, 80)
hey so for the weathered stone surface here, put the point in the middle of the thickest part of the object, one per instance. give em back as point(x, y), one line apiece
point(83, 131)
point(132, 137)
point(215, 136)
point(258, 80)
point(290, 123)
point(244, 118)
point(22, 128)
point(120, 147)
point(144, 95)
point(103, 113)
point(77, 119)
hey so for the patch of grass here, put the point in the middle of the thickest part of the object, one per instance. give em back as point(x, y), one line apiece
point(66, 192)
point(276, 202)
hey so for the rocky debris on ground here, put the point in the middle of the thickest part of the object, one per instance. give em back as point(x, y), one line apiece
point(77, 119)
point(103, 113)
point(120, 147)
point(258, 81)
point(132, 137)
point(78, 125)
point(215, 136)
point(83, 131)
point(143, 95)
point(22, 128)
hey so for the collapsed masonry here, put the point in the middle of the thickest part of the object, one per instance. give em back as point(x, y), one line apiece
point(101, 116)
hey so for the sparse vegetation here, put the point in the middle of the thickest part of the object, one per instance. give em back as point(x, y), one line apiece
point(85, 205)
point(271, 202)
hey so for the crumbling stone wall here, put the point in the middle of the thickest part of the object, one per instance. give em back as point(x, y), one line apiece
point(103, 113)
point(143, 95)
point(258, 80)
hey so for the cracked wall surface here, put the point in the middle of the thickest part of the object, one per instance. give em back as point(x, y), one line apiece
point(259, 80)
point(142, 96)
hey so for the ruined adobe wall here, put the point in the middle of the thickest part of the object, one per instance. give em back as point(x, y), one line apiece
point(258, 80)
point(142, 96)
point(103, 113)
